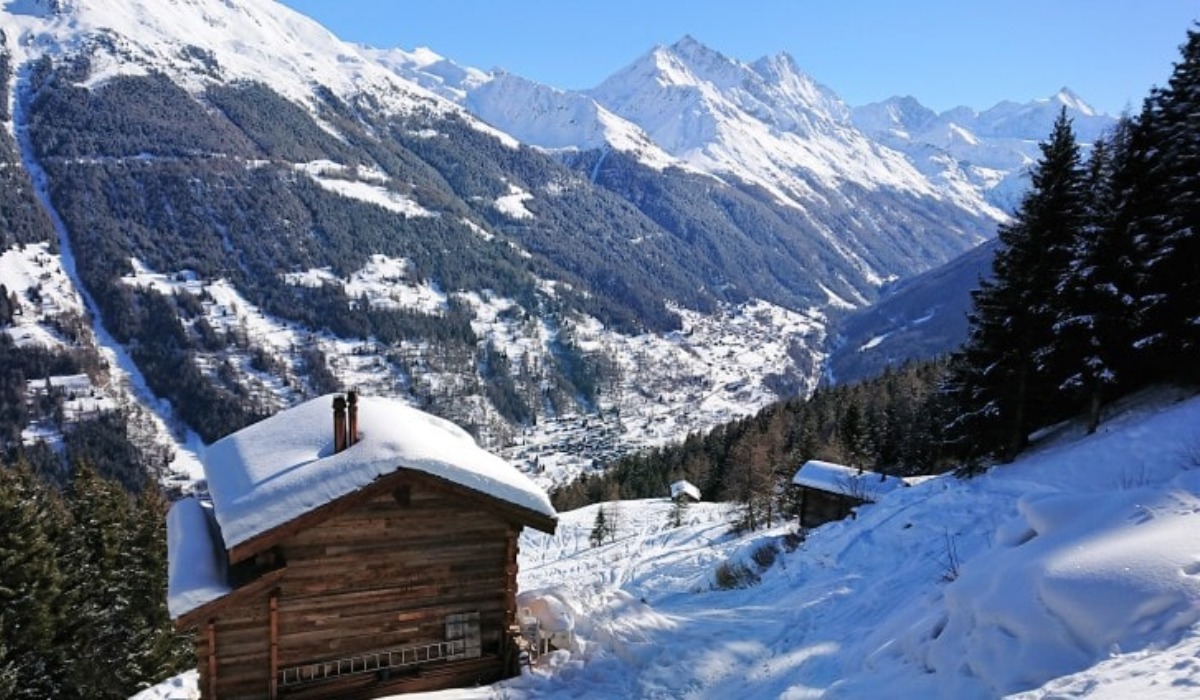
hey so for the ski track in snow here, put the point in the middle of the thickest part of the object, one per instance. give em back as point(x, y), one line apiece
point(186, 451)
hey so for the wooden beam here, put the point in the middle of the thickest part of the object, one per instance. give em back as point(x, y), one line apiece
point(212, 659)
point(274, 641)
point(210, 608)
point(510, 578)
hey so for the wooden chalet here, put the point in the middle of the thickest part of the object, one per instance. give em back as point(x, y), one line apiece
point(684, 490)
point(376, 558)
point(831, 491)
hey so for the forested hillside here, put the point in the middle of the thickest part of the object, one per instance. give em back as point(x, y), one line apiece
point(224, 228)
point(84, 572)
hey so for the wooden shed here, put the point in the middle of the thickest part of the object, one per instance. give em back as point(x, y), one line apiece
point(367, 555)
point(831, 491)
point(684, 490)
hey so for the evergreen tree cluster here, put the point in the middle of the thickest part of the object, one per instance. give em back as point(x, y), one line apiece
point(82, 575)
point(1096, 288)
point(892, 423)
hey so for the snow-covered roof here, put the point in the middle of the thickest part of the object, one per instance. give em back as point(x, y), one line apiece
point(283, 467)
point(683, 486)
point(195, 564)
point(849, 481)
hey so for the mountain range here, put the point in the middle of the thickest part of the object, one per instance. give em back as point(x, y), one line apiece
point(766, 123)
point(254, 211)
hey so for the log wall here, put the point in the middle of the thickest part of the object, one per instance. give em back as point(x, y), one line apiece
point(818, 507)
point(379, 576)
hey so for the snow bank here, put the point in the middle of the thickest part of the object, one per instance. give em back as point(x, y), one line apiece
point(276, 470)
point(195, 569)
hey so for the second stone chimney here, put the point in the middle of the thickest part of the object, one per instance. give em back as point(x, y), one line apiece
point(352, 421)
point(339, 424)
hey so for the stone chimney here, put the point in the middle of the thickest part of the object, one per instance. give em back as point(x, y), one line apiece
point(352, 422)
point(339, 424)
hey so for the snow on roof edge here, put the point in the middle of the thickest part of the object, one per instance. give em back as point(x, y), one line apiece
point(850, 481)
point(683, 486)
point(195, 563)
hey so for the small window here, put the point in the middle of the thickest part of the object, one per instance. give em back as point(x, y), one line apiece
point(462, 636)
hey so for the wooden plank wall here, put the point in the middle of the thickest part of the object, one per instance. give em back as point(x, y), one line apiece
point(819, 507)
point(382, 575)
point(242, 647)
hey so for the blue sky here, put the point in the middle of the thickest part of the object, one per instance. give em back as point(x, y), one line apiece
point(943, 52)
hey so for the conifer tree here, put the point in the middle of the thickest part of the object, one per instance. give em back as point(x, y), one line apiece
point(1170, 235)
point(30, 586)
point(158, 650)
point(1004, 377)
point(600, 531)
point(102, 571)
point(678, 512)
point(1093, 334)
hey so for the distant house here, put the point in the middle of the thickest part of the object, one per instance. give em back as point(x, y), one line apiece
point(376, 558)
point(684, 490)
point(830, 491)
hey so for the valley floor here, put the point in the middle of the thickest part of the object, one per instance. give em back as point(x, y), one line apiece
point(1074, 572)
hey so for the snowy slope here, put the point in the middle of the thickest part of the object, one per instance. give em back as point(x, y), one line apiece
point(553, 118)
point(1070, 573)
point(533, 113)
point(430, 70)
point(197, 42)
point(766, 123)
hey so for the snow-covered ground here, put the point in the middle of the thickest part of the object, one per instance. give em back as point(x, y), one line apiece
point(1074, 572)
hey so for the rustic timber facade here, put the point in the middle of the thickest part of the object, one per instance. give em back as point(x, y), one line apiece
point(831, 492)
point(405, 583)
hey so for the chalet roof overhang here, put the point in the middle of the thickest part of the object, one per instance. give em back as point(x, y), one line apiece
point(211, 609)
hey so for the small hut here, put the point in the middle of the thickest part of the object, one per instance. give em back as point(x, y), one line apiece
point(684, 490)
point(831, 491)
point(373, 559)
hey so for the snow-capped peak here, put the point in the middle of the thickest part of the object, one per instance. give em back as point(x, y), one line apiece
point(901, 116)
point(197, 42)
point(699, 63)
point(766, 123)
point(1073, 102)
point(430, 70)
point(548, 117)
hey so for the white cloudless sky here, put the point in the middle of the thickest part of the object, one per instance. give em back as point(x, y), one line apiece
point(943, 52)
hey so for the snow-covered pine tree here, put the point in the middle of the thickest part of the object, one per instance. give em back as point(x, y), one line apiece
point(600, 529)
point(159, 650)
point(30, 587)
point(1003, 379)
point(1094, 332)
point(1171, 236)
point(92, 553)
